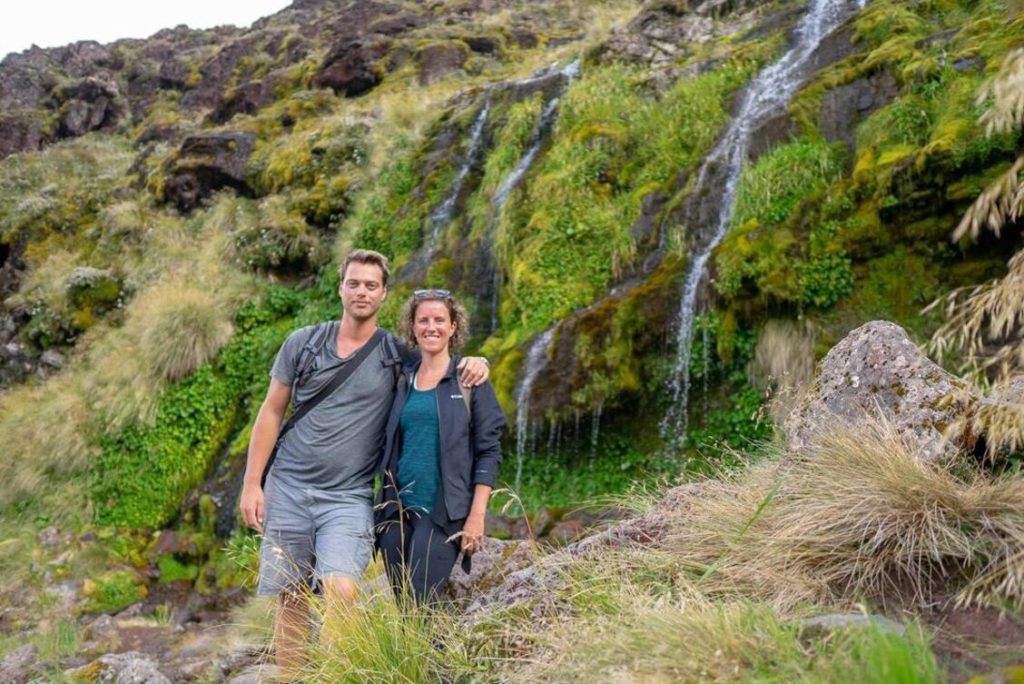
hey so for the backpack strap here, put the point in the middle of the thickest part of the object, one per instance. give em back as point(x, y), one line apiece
point(392, 357)
point(315, 341)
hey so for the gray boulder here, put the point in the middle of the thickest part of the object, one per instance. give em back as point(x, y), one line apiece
point(20, 665)
point(877, 370)
point(535, 586)
point(121, 668)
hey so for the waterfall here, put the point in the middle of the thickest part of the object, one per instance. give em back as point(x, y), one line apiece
point(595, 432)
point(536, 359)
point(715, 187)
point(444, 212)
point(512, 180)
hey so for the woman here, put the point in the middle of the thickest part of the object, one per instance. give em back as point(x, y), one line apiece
point(441, 454)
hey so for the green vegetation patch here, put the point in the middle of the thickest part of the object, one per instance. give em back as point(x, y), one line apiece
point(113, 591)
point(145, 470)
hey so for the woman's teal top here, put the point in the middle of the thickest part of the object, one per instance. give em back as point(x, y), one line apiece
point(419, 469)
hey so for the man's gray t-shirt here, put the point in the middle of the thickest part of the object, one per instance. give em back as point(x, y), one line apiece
point(336, 444)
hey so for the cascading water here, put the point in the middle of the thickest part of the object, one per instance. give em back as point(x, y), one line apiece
point(443, 214)
point(512, 180)
point(536, 359)
point(715, 187)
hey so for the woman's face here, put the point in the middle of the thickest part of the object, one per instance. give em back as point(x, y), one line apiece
point(432, 326)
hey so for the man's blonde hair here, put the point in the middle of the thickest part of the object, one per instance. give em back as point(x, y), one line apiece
point(366, 256)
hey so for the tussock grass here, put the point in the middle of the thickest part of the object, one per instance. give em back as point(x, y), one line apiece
point(857, 515)
point(985, 323)
point(684, 636)
point(186, 328)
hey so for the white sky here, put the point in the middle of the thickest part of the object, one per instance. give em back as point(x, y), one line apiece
point(49, 23)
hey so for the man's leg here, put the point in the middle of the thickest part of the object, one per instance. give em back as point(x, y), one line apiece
point(286, 559)
point(291, 633)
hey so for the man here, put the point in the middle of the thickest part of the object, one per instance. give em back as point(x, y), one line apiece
point(316, 511)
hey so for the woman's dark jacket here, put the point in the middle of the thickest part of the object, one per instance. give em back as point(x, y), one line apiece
point(470, 450)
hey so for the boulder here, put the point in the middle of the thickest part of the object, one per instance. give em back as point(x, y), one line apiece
point(878, 370)
point(23, 131)
point(351, 67)
point(822, 625)
point(437, 60)
point(540, 579)
point(123, 668)
point(491, 564)
point(91, 104)
point(20, 665)
point(206, 163)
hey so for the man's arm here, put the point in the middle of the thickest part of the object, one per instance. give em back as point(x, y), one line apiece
point(261, 443)
point(473, 370)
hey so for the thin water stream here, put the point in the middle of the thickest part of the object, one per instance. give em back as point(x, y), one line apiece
point(715, 188)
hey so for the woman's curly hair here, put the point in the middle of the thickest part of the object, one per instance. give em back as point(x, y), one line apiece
point(456, 311)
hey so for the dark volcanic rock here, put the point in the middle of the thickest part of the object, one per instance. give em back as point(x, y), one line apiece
point(438, 60)
point(89, 105)
point(877, 370)
point(483, 44)
point(352, 67)
point(207, 163)
point(23, 131)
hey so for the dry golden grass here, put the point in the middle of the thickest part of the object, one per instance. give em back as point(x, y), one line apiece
point(1006, 92)
point(985, 323)
point(999, 204)
point(858, 515)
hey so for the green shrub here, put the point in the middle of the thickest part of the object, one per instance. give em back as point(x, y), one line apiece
point(826, 280)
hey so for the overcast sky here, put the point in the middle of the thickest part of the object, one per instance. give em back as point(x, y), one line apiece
point(49, 23)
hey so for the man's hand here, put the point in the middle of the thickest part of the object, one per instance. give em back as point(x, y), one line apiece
point(252, 506)
point(472, 534)
point(473, 371)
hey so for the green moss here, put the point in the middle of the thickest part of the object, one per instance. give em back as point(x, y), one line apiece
point(172, 570)
point(613, 144)
point(113, 591)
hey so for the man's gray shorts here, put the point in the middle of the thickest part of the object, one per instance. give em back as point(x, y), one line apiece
point(310, 534)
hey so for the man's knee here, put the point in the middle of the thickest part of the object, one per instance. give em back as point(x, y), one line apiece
point(340, 588)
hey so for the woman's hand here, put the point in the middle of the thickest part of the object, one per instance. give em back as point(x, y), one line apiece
point(473, 371)
point(473, 534)
point(252, 506)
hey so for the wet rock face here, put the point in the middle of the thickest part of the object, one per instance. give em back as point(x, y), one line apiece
point(878, 370)
point(844, 107)
point(206, 163)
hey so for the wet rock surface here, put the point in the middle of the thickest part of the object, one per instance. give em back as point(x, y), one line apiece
point(877, 370)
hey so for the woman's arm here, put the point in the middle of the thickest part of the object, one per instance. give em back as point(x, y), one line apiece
point(473, 530)
point(487, 424)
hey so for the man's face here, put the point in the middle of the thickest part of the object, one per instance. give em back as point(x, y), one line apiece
point(362, 290)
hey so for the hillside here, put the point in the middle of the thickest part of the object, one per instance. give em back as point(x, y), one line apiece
point(662, 215)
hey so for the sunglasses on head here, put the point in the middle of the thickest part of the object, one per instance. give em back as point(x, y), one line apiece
point(431, 294)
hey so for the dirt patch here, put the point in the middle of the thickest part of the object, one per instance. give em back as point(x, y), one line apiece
point(976, 641)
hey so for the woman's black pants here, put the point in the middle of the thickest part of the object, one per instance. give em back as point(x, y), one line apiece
point(417, 556)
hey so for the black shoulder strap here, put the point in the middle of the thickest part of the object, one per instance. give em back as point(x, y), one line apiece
point(315, 341)
point(343, 374)
point(392, 357)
